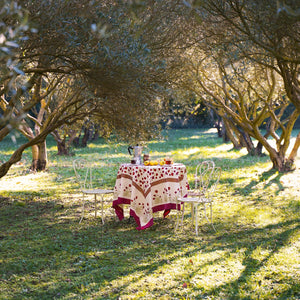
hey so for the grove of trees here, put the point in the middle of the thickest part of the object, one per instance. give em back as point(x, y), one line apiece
point(245, 67)
point(117, 64)
point(76, 62)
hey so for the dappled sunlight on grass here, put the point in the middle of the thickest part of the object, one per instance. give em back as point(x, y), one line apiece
point(52, 148)
point(155, 142)
point(210, 130)
point(194, 137)
point(47, 254)
point(96, 146)
point(263, 218)
point(217, 273)
point(190, 151)
point(7, 153)
point(28, 182)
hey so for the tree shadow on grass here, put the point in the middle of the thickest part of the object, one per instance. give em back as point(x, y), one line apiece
point(48, 255)
point(272, 239)
point(268, 178)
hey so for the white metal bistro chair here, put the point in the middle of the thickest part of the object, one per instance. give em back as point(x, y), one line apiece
point(206, 179)
point(85, 178)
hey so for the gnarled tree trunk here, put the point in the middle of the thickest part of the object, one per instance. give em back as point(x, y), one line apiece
point(230, 132)
point(17, 155)
point(291, 159)
point(43, 157)
point(39, 157)
point(64, 145)
point(35, 158)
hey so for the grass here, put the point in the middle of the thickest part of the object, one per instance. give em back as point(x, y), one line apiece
point(46, 254)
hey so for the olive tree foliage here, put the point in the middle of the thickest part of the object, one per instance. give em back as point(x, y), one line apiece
point(14, 29)
point(283, 7)
point(246, 67)
point(96, 41)
point(104, 55)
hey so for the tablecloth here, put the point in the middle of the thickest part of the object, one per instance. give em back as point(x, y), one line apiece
point(148, 189)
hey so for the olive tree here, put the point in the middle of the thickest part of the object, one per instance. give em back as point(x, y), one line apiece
point(114, 65)
point(246, 66)
point(14, 29)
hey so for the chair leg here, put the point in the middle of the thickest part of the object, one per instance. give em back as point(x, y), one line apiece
point(211, 216)
point(102, 209)
point(182, 215)
point(192, 212)
point(95, 197)
point(82, 214)
point(176, 226)
point(177, 217)
point(196, 219)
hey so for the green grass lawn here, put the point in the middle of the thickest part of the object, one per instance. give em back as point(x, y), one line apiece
point(46, 254)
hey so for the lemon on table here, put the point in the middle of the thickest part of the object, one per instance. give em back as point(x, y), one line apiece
point(147, 162)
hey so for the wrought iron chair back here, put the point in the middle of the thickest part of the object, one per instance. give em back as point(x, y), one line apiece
point(203, 176)
point(86, 180)
point(206, 179)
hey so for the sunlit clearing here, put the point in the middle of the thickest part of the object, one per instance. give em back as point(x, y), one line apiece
point(191, 151)
point(201, 135)
point(94, 146)
point(7, 152)
point(53, 148)
point(264, 218)
point(30, 182)
point(210, 130)
point(194, 137)
point(155, 142)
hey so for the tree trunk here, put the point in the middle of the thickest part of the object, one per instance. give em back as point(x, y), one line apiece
point(258, 149)
point(217, 123)
point(61, 147)
point(96, 134)
point(291, 159)
point(86, 136)
point(229, 127)
point(278, 163)
point(249, 144)
point(43, 158)
point(64, 146)
point(72, 137)
point(39, 157)
point(35, 158)
point(224, 131)
point(278, 158)
point(76, 140)
point(17, 155)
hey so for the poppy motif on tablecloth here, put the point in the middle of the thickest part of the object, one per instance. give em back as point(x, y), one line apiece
point(149, 188)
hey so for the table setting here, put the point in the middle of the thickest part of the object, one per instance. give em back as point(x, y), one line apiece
point(147, 186)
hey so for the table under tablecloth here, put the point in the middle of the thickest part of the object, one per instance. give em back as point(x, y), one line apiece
point(148, 189)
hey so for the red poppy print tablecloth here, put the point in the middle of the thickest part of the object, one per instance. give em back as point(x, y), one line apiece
point(148, 189)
